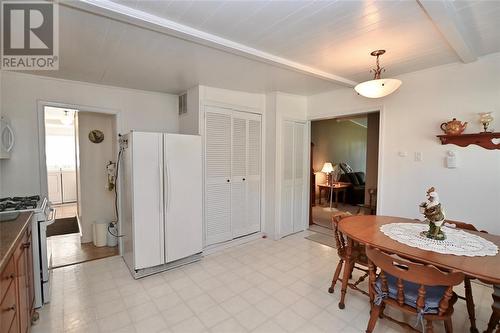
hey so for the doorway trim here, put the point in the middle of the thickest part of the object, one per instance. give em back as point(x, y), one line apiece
point(42, 160)
point(381, 133)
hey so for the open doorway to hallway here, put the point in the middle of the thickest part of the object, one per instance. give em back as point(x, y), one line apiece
point(80, 182)
point(344, 168)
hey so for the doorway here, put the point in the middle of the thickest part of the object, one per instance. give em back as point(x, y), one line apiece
point(80, 184)
point(344, 168)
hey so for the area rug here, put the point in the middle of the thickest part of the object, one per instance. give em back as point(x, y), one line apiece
point(322, 239)
point(321, 229)
point(64, 226)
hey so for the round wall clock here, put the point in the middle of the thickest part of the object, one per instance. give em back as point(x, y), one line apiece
point(96, 136)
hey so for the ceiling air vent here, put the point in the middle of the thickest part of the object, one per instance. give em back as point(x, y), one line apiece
point(183, 104)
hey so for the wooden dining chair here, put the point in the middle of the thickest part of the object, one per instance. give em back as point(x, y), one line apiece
point(469, 300)
point(358, 257)
point(494, 321)
point(411, 287)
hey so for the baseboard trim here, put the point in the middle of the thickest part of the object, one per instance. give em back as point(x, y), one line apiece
point(210, 249)
point(137, 274)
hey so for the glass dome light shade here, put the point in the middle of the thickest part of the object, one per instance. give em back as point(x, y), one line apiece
point(377, 88)
point(67, 119)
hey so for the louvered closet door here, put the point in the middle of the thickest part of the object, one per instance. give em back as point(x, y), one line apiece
point(217, 175)
point(254, 171)
point(239, 137)
point(299, 179)
point(286, 223)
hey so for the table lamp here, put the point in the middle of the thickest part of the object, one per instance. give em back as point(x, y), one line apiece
point(328, 169)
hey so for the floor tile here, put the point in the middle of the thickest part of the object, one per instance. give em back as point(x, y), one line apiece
point(269, 327)
point(253, 295)
point(228, 326)
point(201, 303)
point(213, 316)
point(305, 308)
point(260, 286)
point(250, 318)
point(289, 320)
point(168, 301)
point(328, 322)
point(176, 314)
point(114, 322)
point(142, 311)
point(152, 324)
point(191, 325)
point(235, 305)
point(269, 306)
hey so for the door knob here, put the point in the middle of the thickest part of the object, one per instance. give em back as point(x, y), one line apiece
point(228, 180)
point(243, 179)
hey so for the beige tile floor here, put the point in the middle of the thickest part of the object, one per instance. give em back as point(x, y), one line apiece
point(262, 286)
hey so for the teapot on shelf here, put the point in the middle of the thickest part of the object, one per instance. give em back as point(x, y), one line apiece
point(453, 127)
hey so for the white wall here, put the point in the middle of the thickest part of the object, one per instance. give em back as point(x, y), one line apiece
point(410, 123)
point(96, 201)
point(139, 110)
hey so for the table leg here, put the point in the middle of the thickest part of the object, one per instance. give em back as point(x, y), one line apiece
point(348, 265)
point(336, 199)
point(320, 196)
point(470, 305)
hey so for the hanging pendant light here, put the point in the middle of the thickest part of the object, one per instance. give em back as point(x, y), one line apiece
point(67, 119)
point(377, 87)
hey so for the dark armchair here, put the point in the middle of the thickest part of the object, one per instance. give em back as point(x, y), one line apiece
point(356, 193)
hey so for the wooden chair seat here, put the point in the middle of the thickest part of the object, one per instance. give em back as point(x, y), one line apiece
point(410, 287)
point(434, 294)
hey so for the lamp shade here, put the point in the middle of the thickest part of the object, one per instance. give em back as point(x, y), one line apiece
point(327, 167)
point(67, 119)
point(377, 88)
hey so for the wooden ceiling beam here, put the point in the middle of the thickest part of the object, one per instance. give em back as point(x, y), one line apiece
point(448, 24)
point(145, 20)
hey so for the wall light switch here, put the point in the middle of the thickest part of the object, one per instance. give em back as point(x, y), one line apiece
point(403, 154)
point(418, 156)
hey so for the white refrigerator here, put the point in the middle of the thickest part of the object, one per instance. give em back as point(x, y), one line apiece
point(161, 193)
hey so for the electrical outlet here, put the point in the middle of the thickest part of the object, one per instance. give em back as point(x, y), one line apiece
point(418, 156)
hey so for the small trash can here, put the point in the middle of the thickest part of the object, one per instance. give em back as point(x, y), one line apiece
point(111, 239)
point(99, 231)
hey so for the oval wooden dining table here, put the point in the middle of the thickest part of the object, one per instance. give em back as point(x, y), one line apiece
point(365, 229)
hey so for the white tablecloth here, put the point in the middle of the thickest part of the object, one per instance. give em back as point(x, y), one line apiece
point(457, 242)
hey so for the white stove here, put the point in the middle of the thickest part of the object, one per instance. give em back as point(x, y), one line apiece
point(43, 215)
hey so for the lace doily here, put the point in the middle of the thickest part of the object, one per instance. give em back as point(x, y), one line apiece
point(457, 242)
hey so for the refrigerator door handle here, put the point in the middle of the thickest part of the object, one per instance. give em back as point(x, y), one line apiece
point(160, 188)
point(167, 184)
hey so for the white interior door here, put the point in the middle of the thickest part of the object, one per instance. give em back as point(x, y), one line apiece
point(286, 223)
point(299, 180)
point(54, 186)
point(254, 172)
point(238, 174)
point(69, 185)
point(217, 175)
point(148, 207)
point(183, 196)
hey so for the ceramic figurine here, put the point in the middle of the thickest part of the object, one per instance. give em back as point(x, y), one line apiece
point(434, 215)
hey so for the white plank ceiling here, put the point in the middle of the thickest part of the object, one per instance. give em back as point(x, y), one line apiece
point(332, 36)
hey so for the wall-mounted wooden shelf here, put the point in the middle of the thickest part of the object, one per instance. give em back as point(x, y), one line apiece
point(481, 139)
